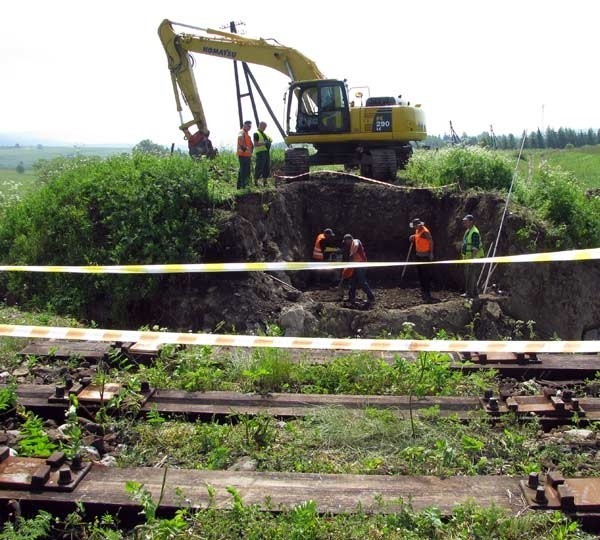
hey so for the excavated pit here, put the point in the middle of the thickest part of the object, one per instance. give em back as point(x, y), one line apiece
point(281, 225)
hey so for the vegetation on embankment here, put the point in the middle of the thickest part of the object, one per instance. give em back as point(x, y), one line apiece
point(148, 209)
point(137, 209)
point(553, 195)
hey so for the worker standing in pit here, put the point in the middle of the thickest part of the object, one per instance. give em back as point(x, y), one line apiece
point(354, 251)
point(472, 248)
point(244, 153)
point(423, 244)
point(262, 151)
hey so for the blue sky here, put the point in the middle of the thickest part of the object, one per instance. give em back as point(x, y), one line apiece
point(95, 72)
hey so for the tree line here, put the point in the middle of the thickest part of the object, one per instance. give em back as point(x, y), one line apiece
point(550, 138)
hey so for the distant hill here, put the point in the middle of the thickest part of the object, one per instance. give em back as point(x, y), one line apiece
point(11, 156)
point(30, 138)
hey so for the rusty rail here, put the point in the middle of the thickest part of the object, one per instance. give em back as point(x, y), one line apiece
point(552, 408)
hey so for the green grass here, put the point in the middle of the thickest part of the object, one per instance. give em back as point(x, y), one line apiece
point(14, 185)
point(583, 162)
point(11, 156)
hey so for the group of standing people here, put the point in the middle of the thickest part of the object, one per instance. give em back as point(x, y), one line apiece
point(258, 145)
point(352, 249)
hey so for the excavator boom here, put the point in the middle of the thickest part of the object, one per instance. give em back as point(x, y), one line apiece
point(230, 46)
point(376, 136)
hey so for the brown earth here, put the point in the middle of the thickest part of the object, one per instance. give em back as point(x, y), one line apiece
point(280, 225)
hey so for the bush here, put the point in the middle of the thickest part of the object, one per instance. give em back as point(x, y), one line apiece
point(472, 167)
point(139, 209)
point(560, 199)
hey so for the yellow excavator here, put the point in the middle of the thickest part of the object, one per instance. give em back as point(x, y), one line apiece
point(375, 136)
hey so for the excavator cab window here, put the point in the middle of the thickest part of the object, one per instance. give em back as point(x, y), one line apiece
point(319, 107)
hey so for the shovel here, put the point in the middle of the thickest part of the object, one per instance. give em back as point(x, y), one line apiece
point(405, 267)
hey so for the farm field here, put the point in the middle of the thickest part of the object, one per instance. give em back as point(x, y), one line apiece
point(583, 162)
point(11, 156)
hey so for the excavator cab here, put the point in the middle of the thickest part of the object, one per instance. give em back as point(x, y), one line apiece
point(318, 107)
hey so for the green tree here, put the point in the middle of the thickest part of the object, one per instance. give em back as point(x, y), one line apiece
point(20, 168)
point(539, 139)
point(148, 147)
point(551, 138)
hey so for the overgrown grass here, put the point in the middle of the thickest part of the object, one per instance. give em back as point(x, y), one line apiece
point(9, 346)
point(365, 441)
point(272, 370)
point(393, 520)
point(559, 199)
point(470, 167)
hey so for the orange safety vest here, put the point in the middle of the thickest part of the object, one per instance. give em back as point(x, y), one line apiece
point(357, 254)
point(422, 244)
point(247, 142)
point(317, 251)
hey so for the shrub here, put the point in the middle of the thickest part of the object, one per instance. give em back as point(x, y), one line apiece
point(559, 198)
point(139, 209)
point(472, 167)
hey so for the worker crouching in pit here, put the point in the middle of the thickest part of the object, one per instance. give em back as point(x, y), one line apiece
point(353, 250)
point(326, 250)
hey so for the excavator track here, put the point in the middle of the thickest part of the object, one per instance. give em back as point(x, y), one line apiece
point(296, 161)
point(380, 164)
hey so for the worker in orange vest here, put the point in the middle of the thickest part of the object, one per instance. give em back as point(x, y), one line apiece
point(324, 250)
point(324, 246)
point(423, 244)
point(244, 153)
point(354, 251)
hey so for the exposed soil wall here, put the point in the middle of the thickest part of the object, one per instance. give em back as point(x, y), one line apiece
point(282, 225)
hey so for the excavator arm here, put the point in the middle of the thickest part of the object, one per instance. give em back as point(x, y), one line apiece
point(178, 47)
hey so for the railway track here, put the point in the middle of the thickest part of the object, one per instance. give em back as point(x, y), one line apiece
point(519, 366)
point(551, 408)
point(58, 485)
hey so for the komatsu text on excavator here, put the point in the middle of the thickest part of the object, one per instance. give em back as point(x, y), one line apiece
point(375, 136)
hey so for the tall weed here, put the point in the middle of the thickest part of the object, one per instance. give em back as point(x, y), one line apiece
point(471, 167)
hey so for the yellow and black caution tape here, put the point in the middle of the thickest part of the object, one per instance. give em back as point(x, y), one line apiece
point(226, 340)
point(555, 256)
